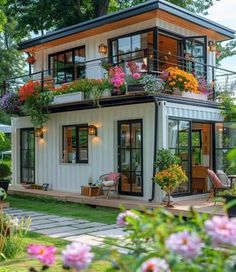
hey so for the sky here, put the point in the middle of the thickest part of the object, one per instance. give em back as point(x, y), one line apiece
point(223, 12)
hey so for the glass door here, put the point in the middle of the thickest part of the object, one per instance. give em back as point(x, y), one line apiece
point(27, 156)
point(195, 55)
point(179, 143)
point(130, 157)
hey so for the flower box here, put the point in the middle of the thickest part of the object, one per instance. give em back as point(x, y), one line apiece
point(199, 96)
point(132, 88)
point(68, 98)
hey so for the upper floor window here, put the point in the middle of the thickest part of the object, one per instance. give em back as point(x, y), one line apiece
point(75, 144)
point(68, 65)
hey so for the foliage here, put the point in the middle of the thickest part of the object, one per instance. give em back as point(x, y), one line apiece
point(165, 158)
point(177, 78)
point(10, 103)
point(229, 192)
point(5, 171)
point(228, 109)
point(169, 179)
point(35, 102)
point(151, 83)
point(192, 245)
point(12, 232)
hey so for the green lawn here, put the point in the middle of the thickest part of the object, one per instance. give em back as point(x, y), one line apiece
point(23, 263)
point(52, 206)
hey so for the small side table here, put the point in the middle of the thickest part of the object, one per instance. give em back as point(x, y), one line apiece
point(231, 178)
point(89, 190)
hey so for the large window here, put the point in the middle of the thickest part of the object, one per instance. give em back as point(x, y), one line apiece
point(68, 65)
point(135, 47)
point(75, 144)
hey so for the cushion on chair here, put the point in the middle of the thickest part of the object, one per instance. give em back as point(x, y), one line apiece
point(108, 183)
point(223, 177)
point(215, 180)
point(113, 176)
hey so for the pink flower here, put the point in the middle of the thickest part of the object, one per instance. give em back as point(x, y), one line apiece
point(222, 230)
point(165, 75)
point(45, 254)
point(136, 76)
point(77, 255)
point(117, 82)
point(155, 265)
point(121, 218)
point(186, 244)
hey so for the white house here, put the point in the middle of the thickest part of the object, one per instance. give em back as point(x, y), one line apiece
point(130, 128)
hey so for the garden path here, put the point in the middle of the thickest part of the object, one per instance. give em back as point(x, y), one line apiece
point(68, 228)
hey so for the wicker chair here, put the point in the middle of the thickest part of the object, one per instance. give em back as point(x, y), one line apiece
point(108, 183)
point(216, 184)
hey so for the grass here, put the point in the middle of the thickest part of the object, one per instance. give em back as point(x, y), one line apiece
point(51, 206)
point(23, 263)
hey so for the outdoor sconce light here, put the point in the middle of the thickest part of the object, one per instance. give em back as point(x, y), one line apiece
point(92, 130)
point(212, 46)
point(102, 49)
point(39, 132)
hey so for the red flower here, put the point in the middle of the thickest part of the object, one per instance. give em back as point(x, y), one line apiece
point(31, 88)
point(31, 59)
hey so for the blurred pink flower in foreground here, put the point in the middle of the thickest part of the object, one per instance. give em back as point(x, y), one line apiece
point(77, 255)
point(121, 218)
point(155, 265)
point(184, 243)
point(45, 254)
point(222, 230)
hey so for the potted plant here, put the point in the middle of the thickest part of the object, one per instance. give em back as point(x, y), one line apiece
point(170, 174)
point(151, 83)
point(5, 172)
point(230, 200)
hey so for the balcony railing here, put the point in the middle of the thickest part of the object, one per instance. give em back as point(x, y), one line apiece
point(148, 61)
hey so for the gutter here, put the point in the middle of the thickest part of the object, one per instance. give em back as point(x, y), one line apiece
point(155, 148)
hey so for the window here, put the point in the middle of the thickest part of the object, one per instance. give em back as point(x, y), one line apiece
point(75, 144)
point(68, 65)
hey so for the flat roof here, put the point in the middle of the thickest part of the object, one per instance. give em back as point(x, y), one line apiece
point(127, 13)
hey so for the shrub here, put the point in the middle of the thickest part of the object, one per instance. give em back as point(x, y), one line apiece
point(165, 158)
point(5, 171)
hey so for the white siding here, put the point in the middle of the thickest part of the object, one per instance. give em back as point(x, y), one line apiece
point(102, 149)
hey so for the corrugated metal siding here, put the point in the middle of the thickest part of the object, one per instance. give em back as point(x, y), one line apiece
point(102, 149)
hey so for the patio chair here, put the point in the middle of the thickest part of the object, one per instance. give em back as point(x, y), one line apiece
point(223, 178)
point(216, 184)
point(108, 183)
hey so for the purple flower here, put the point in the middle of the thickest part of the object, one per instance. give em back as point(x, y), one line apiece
point(10, 102)
point(184, 243)
point(77, 255)
point(121, 218)
point(155, 265)
point(45, 254)
point(222, 230)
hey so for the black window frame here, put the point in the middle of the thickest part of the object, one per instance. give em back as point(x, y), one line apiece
point(77, 148)
point(72, 50)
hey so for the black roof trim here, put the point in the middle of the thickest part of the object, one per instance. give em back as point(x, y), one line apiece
point(129, 100)
point(126, 13)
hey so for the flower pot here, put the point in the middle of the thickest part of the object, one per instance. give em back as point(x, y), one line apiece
point(117, 91)
point(232, 210)
point(200, 96)
point(4, 184)
point(68, 98)
point(168, 200)
point(132, 88)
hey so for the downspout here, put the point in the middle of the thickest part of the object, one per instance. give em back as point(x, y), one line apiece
point(155, 147)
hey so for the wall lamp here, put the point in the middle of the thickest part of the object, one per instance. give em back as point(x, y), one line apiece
point(102, 48)
point(92, 130)
point(212, 46)
point(39, 132)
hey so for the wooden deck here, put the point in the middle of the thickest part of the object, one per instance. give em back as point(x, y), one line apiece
point(181, 207)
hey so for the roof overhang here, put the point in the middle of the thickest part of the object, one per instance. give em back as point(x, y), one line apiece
point(151, 9)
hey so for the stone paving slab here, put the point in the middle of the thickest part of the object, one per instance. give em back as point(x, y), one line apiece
point(87, 239)
point(40, 222)
point(87, 225)
point(113, 233)
point(50, 225)
point(55, 230)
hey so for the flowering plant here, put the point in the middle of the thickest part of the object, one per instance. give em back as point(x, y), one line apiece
point(31, 58)
point(10, 103)
point(204, 87)
point(151, 83)
point(177, 78)
point(169, 179)
point(158, 241)
point(117, 78)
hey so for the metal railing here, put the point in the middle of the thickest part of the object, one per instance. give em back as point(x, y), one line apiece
point(149, 61)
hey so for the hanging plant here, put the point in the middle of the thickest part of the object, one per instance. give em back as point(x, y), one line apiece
point(31, 58)
point(35, 102)
point(9, 103)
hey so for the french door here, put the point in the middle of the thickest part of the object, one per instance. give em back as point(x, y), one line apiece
point(130, 157)
point(27, 156)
